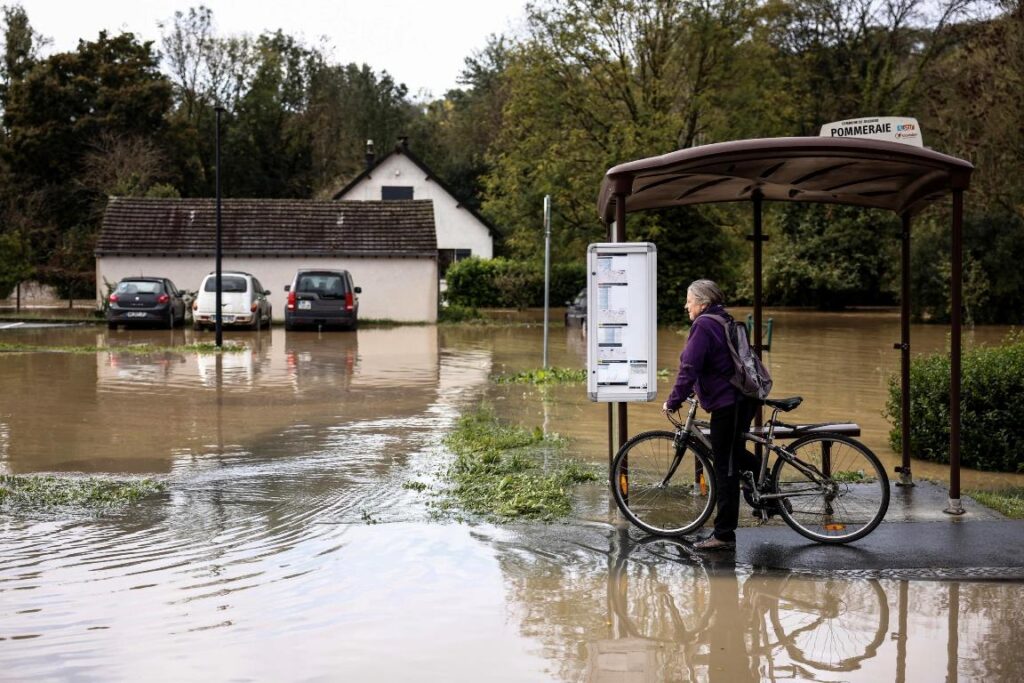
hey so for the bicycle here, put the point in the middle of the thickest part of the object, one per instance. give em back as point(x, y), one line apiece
point(826, 486)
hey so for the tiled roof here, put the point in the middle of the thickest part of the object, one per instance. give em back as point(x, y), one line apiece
point(271, 227)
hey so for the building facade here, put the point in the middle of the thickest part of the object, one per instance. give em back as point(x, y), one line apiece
point(389, 247)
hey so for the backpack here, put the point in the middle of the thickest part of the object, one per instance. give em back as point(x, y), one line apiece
point(749, 375)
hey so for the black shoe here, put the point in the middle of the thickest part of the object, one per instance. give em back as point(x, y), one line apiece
point(712, 543)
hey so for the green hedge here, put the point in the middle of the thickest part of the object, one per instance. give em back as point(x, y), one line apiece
point(991, 437)
point(500, 282)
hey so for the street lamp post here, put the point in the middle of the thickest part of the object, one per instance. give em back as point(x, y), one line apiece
point(217, 314)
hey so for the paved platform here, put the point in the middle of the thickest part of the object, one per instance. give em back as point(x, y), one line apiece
point(916, 539)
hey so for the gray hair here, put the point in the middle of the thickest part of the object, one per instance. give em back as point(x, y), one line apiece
point(706, 292)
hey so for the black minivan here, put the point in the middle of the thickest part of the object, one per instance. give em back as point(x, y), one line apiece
point(322, 298)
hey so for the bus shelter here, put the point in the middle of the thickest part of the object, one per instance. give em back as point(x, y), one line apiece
point(876, 174)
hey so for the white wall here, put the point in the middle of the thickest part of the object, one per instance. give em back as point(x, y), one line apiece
point(401, 289)
point(456, 228)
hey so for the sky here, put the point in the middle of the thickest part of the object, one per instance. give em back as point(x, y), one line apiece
point(422, 44)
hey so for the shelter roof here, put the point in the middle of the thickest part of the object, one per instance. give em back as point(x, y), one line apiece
point(856, 171)
point(268, 227)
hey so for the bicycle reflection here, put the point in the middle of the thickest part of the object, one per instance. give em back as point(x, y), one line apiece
point(673, 617)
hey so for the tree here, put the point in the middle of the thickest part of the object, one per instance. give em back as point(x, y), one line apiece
point(15, 261)
point(55, 116)
point(597, 83)
point(21, 48)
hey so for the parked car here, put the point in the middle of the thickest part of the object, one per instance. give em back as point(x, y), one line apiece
point(145, 301)
point(319, 297)
point(244, 302)
point(576, 310)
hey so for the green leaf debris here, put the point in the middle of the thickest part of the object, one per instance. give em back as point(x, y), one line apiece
point(87, 493)
point(500, 471)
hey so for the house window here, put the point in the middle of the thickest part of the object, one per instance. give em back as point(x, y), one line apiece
point(389, 192)
point(446, 257)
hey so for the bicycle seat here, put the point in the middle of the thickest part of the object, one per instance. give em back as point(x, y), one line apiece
point(784, 404)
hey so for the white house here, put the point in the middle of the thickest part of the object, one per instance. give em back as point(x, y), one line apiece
point(461, 231)
point(389, 247)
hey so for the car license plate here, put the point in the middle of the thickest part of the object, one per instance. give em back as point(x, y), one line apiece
point(227, 318)
point(135, 314)
point(305, 305)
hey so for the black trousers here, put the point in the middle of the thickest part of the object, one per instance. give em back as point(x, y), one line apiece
point(731, 458)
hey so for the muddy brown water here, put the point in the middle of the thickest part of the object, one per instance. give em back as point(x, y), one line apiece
point(288, 546)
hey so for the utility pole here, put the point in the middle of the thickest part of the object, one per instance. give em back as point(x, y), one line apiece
point(219, 326)
point(547, 271)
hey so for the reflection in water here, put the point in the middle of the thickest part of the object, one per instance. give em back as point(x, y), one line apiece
point(672, 616)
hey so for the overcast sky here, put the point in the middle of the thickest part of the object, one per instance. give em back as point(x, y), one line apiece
point(420, 43)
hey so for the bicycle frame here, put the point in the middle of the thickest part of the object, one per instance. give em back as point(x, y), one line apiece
point(695, 428)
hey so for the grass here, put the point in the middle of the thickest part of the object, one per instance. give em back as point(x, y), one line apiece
point(137, 349)
point(539, 376)
point(90, 493)
point(545, 376)
point(850, 476)
point(498, 471)
point(1009, 502)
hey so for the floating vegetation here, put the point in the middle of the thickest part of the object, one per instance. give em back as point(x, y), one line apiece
point(556, 376)
point(89, 493)
point(135, 349)
point(500, 471)
point(1009, 502)
point(545, 376)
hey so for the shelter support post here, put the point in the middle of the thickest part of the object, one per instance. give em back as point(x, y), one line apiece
point(956, 305)
point(904, 347)
point(758, 238)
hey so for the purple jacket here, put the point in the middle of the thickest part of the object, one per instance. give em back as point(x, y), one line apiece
point(705, 365)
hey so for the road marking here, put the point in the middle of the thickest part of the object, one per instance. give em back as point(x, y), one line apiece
point(10, 325)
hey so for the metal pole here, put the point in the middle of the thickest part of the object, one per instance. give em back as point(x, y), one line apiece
point(758, 238)
point(547, 271)
point(904, 346)
point(217, 304)
point(620, 236)
point(956, 303)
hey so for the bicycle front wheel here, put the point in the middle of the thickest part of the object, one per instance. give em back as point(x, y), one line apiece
point(836, 491)
point(664, 486)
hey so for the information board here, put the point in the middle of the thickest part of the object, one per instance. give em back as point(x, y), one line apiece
point(622, 321)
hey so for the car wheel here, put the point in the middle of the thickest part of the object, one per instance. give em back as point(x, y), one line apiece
point(111, 326)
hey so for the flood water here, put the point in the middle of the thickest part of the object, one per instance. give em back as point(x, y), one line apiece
point(287, 546)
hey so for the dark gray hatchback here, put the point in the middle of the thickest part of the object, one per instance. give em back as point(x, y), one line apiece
point(145, 301)
point(322, 298)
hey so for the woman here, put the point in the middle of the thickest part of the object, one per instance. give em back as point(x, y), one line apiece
point(705, 366)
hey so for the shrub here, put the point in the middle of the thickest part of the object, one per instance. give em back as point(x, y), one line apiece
point(990, 434)
point(500, 282)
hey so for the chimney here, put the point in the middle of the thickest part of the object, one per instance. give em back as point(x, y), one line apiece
point(403, 142)
point(369, 155)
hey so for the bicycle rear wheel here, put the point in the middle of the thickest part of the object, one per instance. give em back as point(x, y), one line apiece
point(849, 501)
point(664, 487)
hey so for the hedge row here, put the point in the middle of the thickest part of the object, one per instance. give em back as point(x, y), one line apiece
point(500, 282)
point(992, 382)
